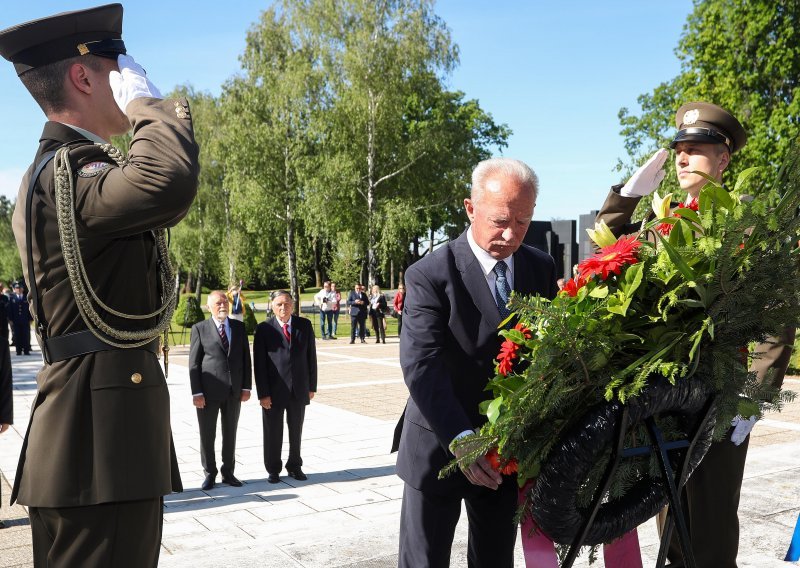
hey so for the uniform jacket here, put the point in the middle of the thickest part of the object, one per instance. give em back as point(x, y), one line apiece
point(19, 312)
point(100, 427)
point(358, 310)
point(214, 372)
point(285, 370)
point(447, 352)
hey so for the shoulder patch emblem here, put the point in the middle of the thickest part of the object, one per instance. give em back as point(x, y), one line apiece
point(92, 169)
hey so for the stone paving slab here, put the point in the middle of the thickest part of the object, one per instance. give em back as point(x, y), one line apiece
point(347, 513)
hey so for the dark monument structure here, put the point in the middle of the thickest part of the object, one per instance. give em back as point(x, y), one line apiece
point(559, 240)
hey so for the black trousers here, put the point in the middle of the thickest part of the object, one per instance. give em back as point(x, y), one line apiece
point(272, 421)
point(126, 534)
point(207, 421)
point(358, 322)
point(428, 523)
point(22, 337)
point(377, 325)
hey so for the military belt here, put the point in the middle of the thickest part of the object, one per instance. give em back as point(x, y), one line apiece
point(79, 343)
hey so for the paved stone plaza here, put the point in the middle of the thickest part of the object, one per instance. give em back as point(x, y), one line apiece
point(347, 513)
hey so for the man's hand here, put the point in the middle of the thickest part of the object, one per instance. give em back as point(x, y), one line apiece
point(4, 427)
point(311, 395)
point(199, 401)
point(245, 395)
point(647, 178)
point(130, 83)
point(266, 402)
point(479, 472)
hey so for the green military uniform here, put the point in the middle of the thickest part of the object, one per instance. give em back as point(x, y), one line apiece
point(98, 455)
point(712, 492)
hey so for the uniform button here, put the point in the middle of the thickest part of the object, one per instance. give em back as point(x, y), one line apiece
point(136, 378)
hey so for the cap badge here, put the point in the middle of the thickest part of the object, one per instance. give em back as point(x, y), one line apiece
point(691, 116)
point(82, 49)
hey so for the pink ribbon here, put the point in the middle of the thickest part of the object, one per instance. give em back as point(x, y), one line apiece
point(540, 551)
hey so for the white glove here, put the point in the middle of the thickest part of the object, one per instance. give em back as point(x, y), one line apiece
point(741, 428)
point(648, 177)
point(130, 82)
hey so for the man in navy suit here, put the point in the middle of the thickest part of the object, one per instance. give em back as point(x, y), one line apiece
point(456, 298)
point(221, 376)
point(286, 378)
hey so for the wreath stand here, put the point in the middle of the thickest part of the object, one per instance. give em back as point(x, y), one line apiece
point(674, 480)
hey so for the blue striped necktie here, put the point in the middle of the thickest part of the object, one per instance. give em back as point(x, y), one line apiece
point(502, 290)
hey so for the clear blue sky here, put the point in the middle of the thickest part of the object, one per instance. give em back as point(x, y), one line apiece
point(556, 72)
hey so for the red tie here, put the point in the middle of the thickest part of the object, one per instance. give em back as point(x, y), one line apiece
point(286, 333)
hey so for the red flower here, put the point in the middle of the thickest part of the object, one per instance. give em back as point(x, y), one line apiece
point(525, 331)
point(610, 259)
point(508, 352)
point(496, 462)
point(666, 228)
point(572, 286)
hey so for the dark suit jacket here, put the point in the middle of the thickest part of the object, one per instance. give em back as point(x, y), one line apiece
point(362, 308)
point(213, 372)
point(449, 343)
point(283, 370)
point(95, 435)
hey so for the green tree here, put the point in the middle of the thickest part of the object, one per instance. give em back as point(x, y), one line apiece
point(197, 241)
point(743, 55)
point(10, 264)
point(268, 143)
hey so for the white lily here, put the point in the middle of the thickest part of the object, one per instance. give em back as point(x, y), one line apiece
point(602, 235)
point(661, 205)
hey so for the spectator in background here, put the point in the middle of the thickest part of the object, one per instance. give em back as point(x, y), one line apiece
point(324, 300)
point(397, 306)
point(337, 300)
point(377, 313)
point(357, 303)
point(3, 315)
point(19, 314)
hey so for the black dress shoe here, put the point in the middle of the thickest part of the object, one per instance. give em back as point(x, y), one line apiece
point(273, 478)
point(363, 341)
point(231, 480)
point(352, 341)
point(208, 482)
point(297, 474)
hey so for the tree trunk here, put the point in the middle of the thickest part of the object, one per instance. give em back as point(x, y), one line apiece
point(198, 291)
point(372, 260)
point(228, 244)
point(391, 274)
point(317, 262)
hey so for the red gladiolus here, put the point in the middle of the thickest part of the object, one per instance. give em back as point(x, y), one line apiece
point(572, 286)
point(508, 352)
point(494, 460)
point(525, 331)
point(611, 259)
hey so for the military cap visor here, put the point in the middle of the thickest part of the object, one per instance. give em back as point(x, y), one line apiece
point(96, 31)
point(709, 124)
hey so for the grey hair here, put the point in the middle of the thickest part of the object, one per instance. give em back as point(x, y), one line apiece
point(517, 169)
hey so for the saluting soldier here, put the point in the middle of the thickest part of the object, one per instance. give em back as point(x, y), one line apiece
point(89, 223)
point(707, 137)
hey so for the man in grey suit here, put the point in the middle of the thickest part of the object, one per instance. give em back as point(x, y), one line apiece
point(286, 378)
point(220, 372)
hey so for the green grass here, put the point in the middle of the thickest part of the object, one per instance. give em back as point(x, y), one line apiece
point(181, 336)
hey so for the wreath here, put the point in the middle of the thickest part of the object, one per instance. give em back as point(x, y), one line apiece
point(656, 322)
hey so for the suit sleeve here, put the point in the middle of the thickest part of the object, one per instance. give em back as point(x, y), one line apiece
point(423, 358)
point(617, 212)
point(247, 363)
point(6, 393)
point(260, 363)
point(311, 353)
point(196, 353)
point(157, 185)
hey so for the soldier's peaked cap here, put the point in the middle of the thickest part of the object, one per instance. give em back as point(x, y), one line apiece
point(704, 122)
point(39, 42)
